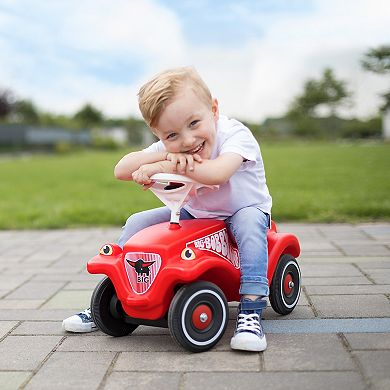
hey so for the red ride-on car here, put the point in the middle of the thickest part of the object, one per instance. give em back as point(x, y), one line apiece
point(182, 274)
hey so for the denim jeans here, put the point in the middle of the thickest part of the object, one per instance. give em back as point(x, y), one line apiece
point(249, 228)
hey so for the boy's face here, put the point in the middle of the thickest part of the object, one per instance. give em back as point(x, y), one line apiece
point(188, 124)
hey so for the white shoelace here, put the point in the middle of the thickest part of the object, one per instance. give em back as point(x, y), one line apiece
point(249, 323)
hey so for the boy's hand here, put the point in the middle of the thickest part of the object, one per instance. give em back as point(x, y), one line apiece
point(182, 160)
point(144, 172)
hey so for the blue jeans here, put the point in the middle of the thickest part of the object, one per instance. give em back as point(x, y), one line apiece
point(249, 228)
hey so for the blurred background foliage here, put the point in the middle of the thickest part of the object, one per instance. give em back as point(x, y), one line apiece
point(313, 114)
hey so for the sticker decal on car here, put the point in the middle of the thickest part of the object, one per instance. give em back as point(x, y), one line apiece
point(142, 269)
point(218, 243)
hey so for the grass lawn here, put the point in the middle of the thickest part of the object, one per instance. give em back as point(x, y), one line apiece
point(323, 182)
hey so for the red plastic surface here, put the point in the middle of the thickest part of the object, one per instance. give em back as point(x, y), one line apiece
point(155, 262)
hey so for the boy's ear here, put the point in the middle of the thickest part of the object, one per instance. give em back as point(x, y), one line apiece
point(215, 109)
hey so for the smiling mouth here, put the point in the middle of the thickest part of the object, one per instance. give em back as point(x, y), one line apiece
point(198, 149)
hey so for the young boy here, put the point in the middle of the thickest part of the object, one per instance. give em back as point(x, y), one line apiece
point(196, 141)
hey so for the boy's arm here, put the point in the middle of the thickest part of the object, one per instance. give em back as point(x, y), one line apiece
point(217, 171)
point(133, 161)
point(211, 172)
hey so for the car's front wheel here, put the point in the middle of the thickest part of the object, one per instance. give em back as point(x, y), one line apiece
point(107, 311)
point(198, 316)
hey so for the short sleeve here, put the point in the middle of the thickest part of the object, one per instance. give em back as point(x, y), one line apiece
point(243, 143)
point(155, 147)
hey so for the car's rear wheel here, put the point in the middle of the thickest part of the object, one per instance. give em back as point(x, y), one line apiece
point(286, 285)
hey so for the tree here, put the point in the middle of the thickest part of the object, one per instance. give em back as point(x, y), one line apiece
point(26, 112)
point(6, 103)
point(327, 92)
point(377, 60)
point(88, 116)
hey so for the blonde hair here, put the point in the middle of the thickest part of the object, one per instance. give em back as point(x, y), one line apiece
point(154, 96)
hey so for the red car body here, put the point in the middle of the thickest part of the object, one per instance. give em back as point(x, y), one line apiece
point(160, 259)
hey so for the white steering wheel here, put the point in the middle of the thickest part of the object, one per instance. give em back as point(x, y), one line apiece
point(174, 190)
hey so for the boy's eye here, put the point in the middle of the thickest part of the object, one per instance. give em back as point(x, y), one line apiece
point(172, 135)
point(193, 123)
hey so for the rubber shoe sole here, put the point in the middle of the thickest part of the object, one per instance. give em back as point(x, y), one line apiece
point(77, 326)
point(247, 341)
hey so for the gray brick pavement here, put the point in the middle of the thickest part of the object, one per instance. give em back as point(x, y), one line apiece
point(346, 277)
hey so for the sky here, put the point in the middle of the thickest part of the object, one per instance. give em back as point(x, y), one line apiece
point(255, 55)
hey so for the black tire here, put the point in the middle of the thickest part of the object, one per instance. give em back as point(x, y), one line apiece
point(107, 311)
point(286, 285)
point(198, 316)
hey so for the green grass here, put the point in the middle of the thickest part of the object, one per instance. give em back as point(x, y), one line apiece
point(323, 182)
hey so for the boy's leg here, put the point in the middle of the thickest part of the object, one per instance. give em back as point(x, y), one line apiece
point(249, 228)
point(138, 221)
point(82, 322)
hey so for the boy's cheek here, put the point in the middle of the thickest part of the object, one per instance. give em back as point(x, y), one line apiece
point(171, 148)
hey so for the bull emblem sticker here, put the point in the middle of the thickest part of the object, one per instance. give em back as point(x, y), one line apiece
point(142, 269)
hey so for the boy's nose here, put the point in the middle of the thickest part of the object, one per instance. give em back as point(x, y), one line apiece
point(189, 142)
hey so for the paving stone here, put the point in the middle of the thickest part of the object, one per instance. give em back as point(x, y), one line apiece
point(20, 249)
point(144, 330)
point(300, 312)
point(7, 261)
point(85, 285)
point(183, 361)
point(70, 268)
point(151, 380)
point(20, 303)
point(347, 306)
point(380, 276)
point(67, 277)
point(374, 249)
point(273, 380)
point(376, 230)
point(329, 270)
point(302, 299)
point(127, 343)
point(377, 341)
point(224, 343)
point(72, 370)
point(42, 269)
point(343, 259)
point(368, 266)
point(343, 230)
point(306, 352)
point(36, 290)
point(8, 283)
point(77, 299)
point(301, 230)
point(10, 380)
point(316, 245)
point(375, 365)
point(39, 328)
point(320, 253)
point(349, 290)
point(335, 281)
point(6, 326)
point(25, 352)
point(3, 293)
point(35, 315)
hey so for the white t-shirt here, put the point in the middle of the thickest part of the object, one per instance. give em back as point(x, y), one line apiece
point(246, 187)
